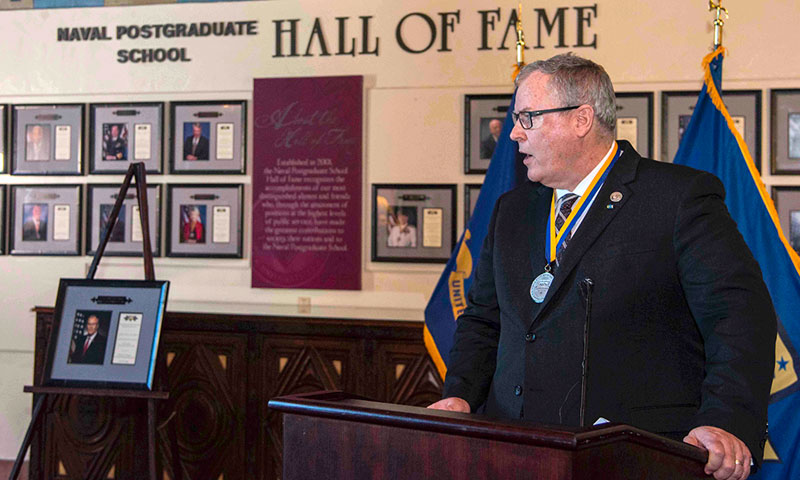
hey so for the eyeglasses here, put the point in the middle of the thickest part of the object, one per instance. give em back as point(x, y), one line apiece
point(529, 120)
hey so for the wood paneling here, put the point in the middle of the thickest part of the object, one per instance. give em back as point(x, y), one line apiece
point(222, 369)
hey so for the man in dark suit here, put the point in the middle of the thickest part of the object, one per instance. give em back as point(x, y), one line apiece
point(34, 228)
point(490, 142)
point(91, 347)
point(681, 326)
point(195, 146)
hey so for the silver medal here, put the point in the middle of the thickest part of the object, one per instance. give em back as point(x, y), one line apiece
point(540, 286)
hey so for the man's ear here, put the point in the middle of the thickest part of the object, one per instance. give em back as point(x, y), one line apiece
point(583, 120)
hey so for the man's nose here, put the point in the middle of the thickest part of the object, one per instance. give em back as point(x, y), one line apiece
point(517, 133)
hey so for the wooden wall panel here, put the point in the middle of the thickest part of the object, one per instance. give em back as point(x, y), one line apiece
point(222, 370)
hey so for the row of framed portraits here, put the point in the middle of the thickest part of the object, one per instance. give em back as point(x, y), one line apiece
point(203, 220)
point(484, 115)
point(205, 137)
point(416, 223)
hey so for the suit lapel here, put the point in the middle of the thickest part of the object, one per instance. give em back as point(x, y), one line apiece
point(538, 209)
point(597, 219)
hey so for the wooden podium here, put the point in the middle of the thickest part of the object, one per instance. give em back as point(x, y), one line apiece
point(334, 435)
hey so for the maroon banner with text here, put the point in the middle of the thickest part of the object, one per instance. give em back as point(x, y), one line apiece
point(307, 183)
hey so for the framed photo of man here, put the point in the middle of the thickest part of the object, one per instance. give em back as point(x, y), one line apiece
point(205, 220)
point(122, 133)
point(471, 192)
point(483, 122)
point(744, 107)
point(635, 120)
point(787, 203)
point(3, 137)
point(785, 131)
point(2, 219)
point(413, 223)
point(47, 139)
point(208, 137)
point(106, 333)
point(45, 219)
point(126, 235)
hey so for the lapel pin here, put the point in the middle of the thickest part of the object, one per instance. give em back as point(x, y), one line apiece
point(610, 206)
point(616, 197)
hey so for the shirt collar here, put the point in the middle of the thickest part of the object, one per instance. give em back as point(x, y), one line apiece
point(587, 180)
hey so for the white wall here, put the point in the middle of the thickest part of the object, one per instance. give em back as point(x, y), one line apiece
point(413, 120)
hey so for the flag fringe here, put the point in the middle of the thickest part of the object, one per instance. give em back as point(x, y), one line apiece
point(433, 351)
point(716, 99)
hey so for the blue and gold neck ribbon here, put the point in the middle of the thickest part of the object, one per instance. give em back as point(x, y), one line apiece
point(555, 242)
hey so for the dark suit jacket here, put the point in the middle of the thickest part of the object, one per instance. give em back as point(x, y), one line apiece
point(95, 352)
point(201, 151)
point(682, 329)
point(488, 145)
point(29, 232)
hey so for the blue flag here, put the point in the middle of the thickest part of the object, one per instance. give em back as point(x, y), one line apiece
point(712, 143)
point(449, 297)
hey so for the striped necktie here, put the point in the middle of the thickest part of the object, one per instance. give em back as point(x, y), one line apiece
point(564, 208)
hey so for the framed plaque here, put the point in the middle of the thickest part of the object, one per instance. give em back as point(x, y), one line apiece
point(785, 131)
point(2, 219)
point(126, 236)
point(45, 219)
point(47, 139)
point(208, 137)
point(106, 333)
point(677, 108)
point(204, 220)
point(3, 137)
point(635, 120)
point(483, 123)
point(471, 191)
point(787, 203)
point(122, 133)
point(413, 223)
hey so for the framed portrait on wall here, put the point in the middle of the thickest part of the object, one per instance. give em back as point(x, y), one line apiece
point(635, 120)
point(122, 133)
point(208, 137)
point(743, 105)
point(106, 333)
point(205, 220)
point(2, 219)
point(471, 191)
point(45, 219)
point(47, 139)
point(785, 131)
point(413, 223)
point(3, 137)
point(787, 203)
point(483, 122)
point(126, 234)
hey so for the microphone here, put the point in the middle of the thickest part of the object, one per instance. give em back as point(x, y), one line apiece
point(585, 286)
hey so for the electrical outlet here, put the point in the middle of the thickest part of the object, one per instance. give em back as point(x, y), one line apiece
point(303, 304)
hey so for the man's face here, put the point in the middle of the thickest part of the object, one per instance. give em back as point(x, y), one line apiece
point(91, 325)
point(495, 127)
point(196, 131)
point(548, 148)
point(36, 134)
point(36, 212)
point(114, 131)
point(402, 219)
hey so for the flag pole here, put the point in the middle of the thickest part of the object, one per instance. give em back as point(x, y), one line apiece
point(718, 21)
point(520, 43)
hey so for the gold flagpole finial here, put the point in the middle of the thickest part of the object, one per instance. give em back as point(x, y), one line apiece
point(520, 38)
point(718, 21)
point(520, 44)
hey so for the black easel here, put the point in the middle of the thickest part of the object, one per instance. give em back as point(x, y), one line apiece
point(137, 171)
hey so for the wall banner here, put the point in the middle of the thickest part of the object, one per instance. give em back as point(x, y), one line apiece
point(307, 147)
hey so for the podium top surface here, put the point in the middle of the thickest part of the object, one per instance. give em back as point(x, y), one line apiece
point(344, 406)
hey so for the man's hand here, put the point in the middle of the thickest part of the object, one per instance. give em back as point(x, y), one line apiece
point(728, 457)
point(454, 404)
